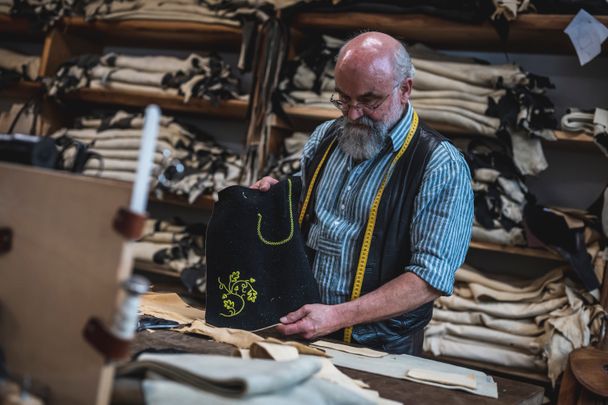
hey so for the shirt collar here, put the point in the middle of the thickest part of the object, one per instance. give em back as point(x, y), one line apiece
point(399, 132)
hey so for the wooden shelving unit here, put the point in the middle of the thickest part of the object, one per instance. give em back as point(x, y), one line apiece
point(235, 109)
point(538, 33)
point(73, 36)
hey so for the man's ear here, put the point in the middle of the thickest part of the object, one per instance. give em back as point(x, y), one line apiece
point(406, 90)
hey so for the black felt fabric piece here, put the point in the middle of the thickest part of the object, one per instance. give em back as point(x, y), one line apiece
point(254, 278)
point(28, 150)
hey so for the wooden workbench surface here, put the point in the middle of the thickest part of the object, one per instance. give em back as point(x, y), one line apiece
point(509, 391)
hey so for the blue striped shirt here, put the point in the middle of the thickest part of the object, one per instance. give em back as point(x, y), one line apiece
point(441, 222)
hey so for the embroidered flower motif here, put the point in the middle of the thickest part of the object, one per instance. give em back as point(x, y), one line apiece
point(229, 305)
point(236, 292)
point(252, 295)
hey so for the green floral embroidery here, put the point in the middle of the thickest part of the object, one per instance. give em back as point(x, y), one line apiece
point(291, 224)
point(236, 292)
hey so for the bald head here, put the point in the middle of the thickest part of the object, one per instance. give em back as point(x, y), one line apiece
point(375, 53)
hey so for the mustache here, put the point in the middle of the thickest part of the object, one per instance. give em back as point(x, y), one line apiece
point(361, 122)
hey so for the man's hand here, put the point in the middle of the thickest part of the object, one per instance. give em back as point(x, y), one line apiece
point(311, 321)
point(264, 183)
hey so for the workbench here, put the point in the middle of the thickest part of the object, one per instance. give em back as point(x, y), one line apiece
point(509, 391)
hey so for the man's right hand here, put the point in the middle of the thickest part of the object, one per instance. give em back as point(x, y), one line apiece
point(264, 183)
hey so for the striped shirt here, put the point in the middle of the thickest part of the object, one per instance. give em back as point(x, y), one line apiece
point(441, 223)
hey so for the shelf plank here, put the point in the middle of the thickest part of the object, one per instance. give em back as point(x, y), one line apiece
point(156, 33)
point(538, 33)
point(18, 28)
point(320, 114)
point(23, 89)
point(236, 109)
point(516, 250)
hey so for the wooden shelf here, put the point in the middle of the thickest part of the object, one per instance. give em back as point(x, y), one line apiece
point(156, 33)
point(23, 89)
point(538, 33)
point(502, 371)
point(320, 114)
point(236, 109)
point(516, 250)
point(18, 28)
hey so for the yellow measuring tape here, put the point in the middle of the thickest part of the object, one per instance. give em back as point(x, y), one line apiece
point(371, 223)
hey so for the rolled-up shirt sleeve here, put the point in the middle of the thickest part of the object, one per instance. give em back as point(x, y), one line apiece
point(442, 220)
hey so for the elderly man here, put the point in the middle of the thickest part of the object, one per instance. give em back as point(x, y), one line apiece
point(387, 208)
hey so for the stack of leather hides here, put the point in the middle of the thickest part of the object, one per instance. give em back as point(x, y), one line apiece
point(514, 322)
point(257, 268)
point(473, 97)
point(207, 77)
point(176, 247)
point(500, 194)
point(15, 66)
point(110, 145)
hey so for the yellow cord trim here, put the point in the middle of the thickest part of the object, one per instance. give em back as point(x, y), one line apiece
point(291, 227)
point(371, 223)
point(312, 183)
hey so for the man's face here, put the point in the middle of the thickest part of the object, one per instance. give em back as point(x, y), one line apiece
point(372, 105)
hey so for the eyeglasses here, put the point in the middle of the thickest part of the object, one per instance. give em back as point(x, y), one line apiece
point(365, 107)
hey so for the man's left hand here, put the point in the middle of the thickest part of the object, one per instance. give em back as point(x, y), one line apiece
point(311, 321)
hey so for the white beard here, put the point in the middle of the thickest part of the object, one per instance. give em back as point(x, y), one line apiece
point(364, 138)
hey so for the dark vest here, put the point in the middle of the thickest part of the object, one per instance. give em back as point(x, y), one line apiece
point(390, 250)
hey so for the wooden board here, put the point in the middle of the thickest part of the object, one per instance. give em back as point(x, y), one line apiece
point(537, 33)
point(18, 29)
point(236, 109)
point(65, 266)
point(157, 33)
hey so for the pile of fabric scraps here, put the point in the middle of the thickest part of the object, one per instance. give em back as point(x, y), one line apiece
point(176, 247)
point(514, 322)
point(500, 194)
point(288, 161)
point(593, 122)
point(111, 144)
point(205, 77)
point(15, 66)
point(43, 14)
point(474, 98)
